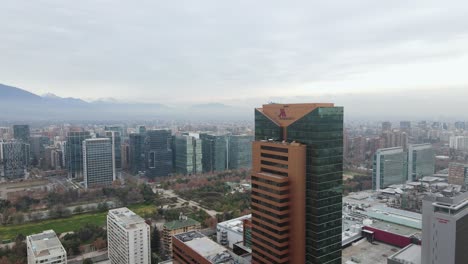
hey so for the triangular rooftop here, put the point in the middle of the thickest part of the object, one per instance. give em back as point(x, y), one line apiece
point(286, 114)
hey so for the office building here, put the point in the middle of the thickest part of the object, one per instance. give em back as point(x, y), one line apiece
point(421, 161)
point(405, 126)
point(128, 238)
point(116, 128)
point(137, 153)
point(445, 229)
point(74, 153)
point(21, 133)
point(38, 144)
point(297, 184)
point(98, 165)
point(459, 143)
point(125, 154)
point(458, 174)
point(194, 247)
point(14, 159)
point(158, 153)
point(141, 129)
point(231, 232)
point(182, 225)
point(116, 142)
point(240, 152)
point(214, 152)
point(410, 254)
point(389, 167)
point(386, 126)
point(188, 154)
point(53, 158)
point(45, 248)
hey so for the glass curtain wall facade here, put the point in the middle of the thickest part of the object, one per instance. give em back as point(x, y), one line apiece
point(421, 161)
point(214, 152)
point(14, 159)
point(187, 155)
point(158, 153)
point(240, 152)
point(137, 153)
point(319, 128)
point(98, 165)
point(21, 132)
point(74, 153)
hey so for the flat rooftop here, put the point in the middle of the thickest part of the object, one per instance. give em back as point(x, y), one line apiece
point(46, 244)
point(410, 255)
point(364, 252)
point(236, 224)
point(126, 218)
point(207, 248)
point(396, 228)
point(397, 216)
point(180, 223)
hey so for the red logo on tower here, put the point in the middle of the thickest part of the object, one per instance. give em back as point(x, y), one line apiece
point(282, 114)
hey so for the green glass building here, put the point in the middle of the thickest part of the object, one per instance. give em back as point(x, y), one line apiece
point(320, 128)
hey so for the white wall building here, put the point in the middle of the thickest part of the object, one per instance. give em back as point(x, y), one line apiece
point(445, 230)
point(230, 232)
point(45, 248)
point(128, 238)
point(459, 143)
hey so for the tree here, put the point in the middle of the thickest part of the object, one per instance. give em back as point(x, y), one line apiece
point(99, 243)
point(78, 210)
point(88, 261)
point(156, 241)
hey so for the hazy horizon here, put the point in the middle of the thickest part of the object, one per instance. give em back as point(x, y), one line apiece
point(372, 58)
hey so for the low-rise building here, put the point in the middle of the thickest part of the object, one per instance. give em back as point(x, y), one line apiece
point(194, 247)
point(231, 232)
point(45, 248)
point(182, 225)
point(411, 254)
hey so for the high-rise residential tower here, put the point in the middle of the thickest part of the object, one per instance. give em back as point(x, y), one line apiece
point(158, 153)
point(128, 238)
point(297, 166)
point(14, 159)
point(74, 153)
point(98, 164)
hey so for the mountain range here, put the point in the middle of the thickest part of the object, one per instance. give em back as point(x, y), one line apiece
point(18, 104)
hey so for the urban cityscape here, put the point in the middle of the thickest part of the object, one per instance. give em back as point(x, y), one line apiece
point(249, 132)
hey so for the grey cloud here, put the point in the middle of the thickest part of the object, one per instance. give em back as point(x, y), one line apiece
point(161, 50)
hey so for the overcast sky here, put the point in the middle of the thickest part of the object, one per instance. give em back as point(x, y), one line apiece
point(234, 51)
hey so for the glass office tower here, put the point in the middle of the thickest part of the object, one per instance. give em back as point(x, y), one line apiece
point(74, 153)
point(297, 183)
point(158, 153)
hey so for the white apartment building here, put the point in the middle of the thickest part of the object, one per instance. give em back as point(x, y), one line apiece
point(45, 248)
point(128, 238)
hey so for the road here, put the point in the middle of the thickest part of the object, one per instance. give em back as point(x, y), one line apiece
point(170, 193)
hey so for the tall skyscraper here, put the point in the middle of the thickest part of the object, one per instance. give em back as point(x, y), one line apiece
point(141, 129)
point(14, 159)
point(21, 132)
point(38, 144)
point(74, 153)
point(389, 167)
point(297, 184)
point(137, 153)
point(45, 248)
point(116, 142)
point(214, 152)
point(98, 164)
point(445, 230)
point(421, 161)
point(158, 153)
point(128, 238)
point(240, 152)
point(188, 154)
